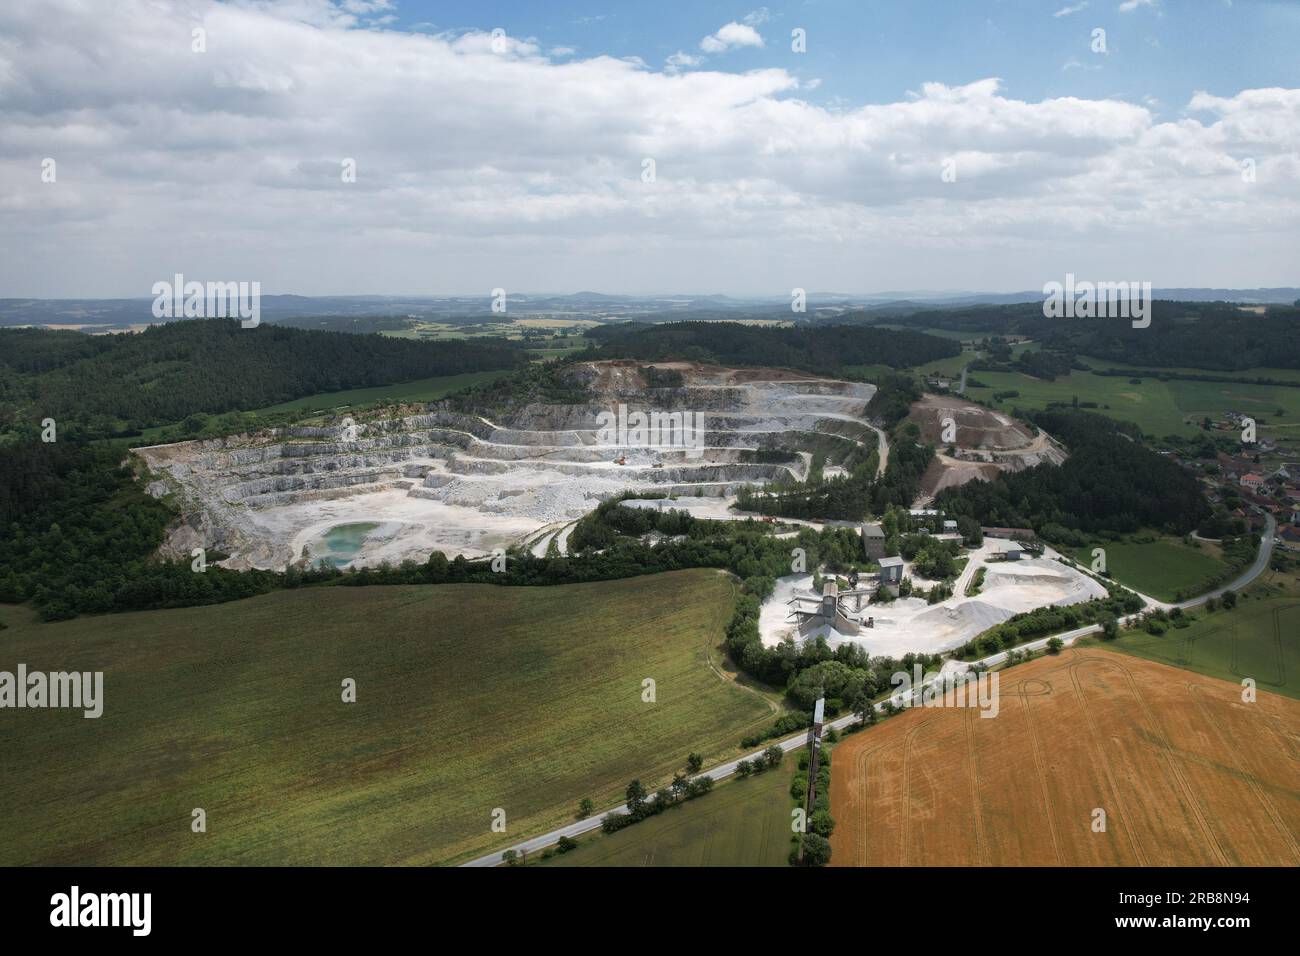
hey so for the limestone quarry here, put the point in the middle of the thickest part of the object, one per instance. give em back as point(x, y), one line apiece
point(972, 441)
point(392, 488)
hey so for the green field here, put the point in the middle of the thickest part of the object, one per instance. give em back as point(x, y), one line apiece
point(1160, 408)
point(1160, 568)
point(949, 367)
point(741, 823)
point(469, 698)
point(1259, 639)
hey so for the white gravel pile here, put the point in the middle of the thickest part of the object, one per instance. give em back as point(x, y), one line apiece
point(911, 625)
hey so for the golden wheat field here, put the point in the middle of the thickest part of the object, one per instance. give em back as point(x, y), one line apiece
point(1185, 772)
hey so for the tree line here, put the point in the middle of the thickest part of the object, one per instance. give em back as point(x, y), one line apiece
point(119, 384)
point(824, 349)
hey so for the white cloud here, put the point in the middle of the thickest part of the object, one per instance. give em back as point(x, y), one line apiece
point(478, 168)
point(681, 61)
point(731, 35)
point(1128, 6)
point(366, 6)
point(1067, 10)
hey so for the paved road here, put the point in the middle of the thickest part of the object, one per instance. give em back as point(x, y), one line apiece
point(1267, 540)
point(793, 743)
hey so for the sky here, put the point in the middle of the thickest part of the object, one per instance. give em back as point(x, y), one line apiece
point(418, 147)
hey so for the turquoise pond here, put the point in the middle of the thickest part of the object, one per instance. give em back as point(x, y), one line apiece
point(340, 544)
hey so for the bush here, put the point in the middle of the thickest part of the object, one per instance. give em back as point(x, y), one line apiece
point(698, 787)
point(613, 822)
point(799, 785)
point(821, 823)
point(816, 851)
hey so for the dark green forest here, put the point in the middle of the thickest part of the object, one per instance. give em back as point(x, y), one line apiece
point(1215, 336)
point(1110, 483)
point(119, 384)
point(78, 533)
point(821, 349)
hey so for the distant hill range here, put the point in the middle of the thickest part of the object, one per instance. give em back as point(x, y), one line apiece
point(381, 311)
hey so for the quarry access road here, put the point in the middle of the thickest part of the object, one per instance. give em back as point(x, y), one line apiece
point(978, 558)
point(722, 771)
point(882, 446)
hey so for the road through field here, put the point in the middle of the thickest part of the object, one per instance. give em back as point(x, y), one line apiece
point(722, 771)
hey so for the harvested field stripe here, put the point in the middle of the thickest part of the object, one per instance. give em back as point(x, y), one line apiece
point(1104, 761)
point(1176, 782)
point(1193, 800)
point(1197, 693)
point(905, 830)
point(861, 764)
point(1193, 803)
point(981, 846)
point(1036, 748)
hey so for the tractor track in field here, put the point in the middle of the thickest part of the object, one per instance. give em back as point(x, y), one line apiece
point(908, 743)
point(860, 773)
point(1035, 747)
point(981, 842)
point(1197, 692)
point(1104, 762)
point(1189, 795)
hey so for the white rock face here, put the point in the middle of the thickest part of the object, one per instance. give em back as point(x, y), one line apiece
point(463, 485)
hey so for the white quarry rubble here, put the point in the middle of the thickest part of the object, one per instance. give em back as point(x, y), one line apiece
point(464, 485)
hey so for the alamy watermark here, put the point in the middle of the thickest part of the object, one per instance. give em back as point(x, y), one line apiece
point(129, 910)
point(1099, 300)
point(660, 431)
point(214, 300)
point(930, 689)
point(78, 690)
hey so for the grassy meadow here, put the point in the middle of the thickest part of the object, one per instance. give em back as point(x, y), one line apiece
point(1160, 568)
point(1159, 407)
point(741, 823)
point(469, 698)
point(1260, 639)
